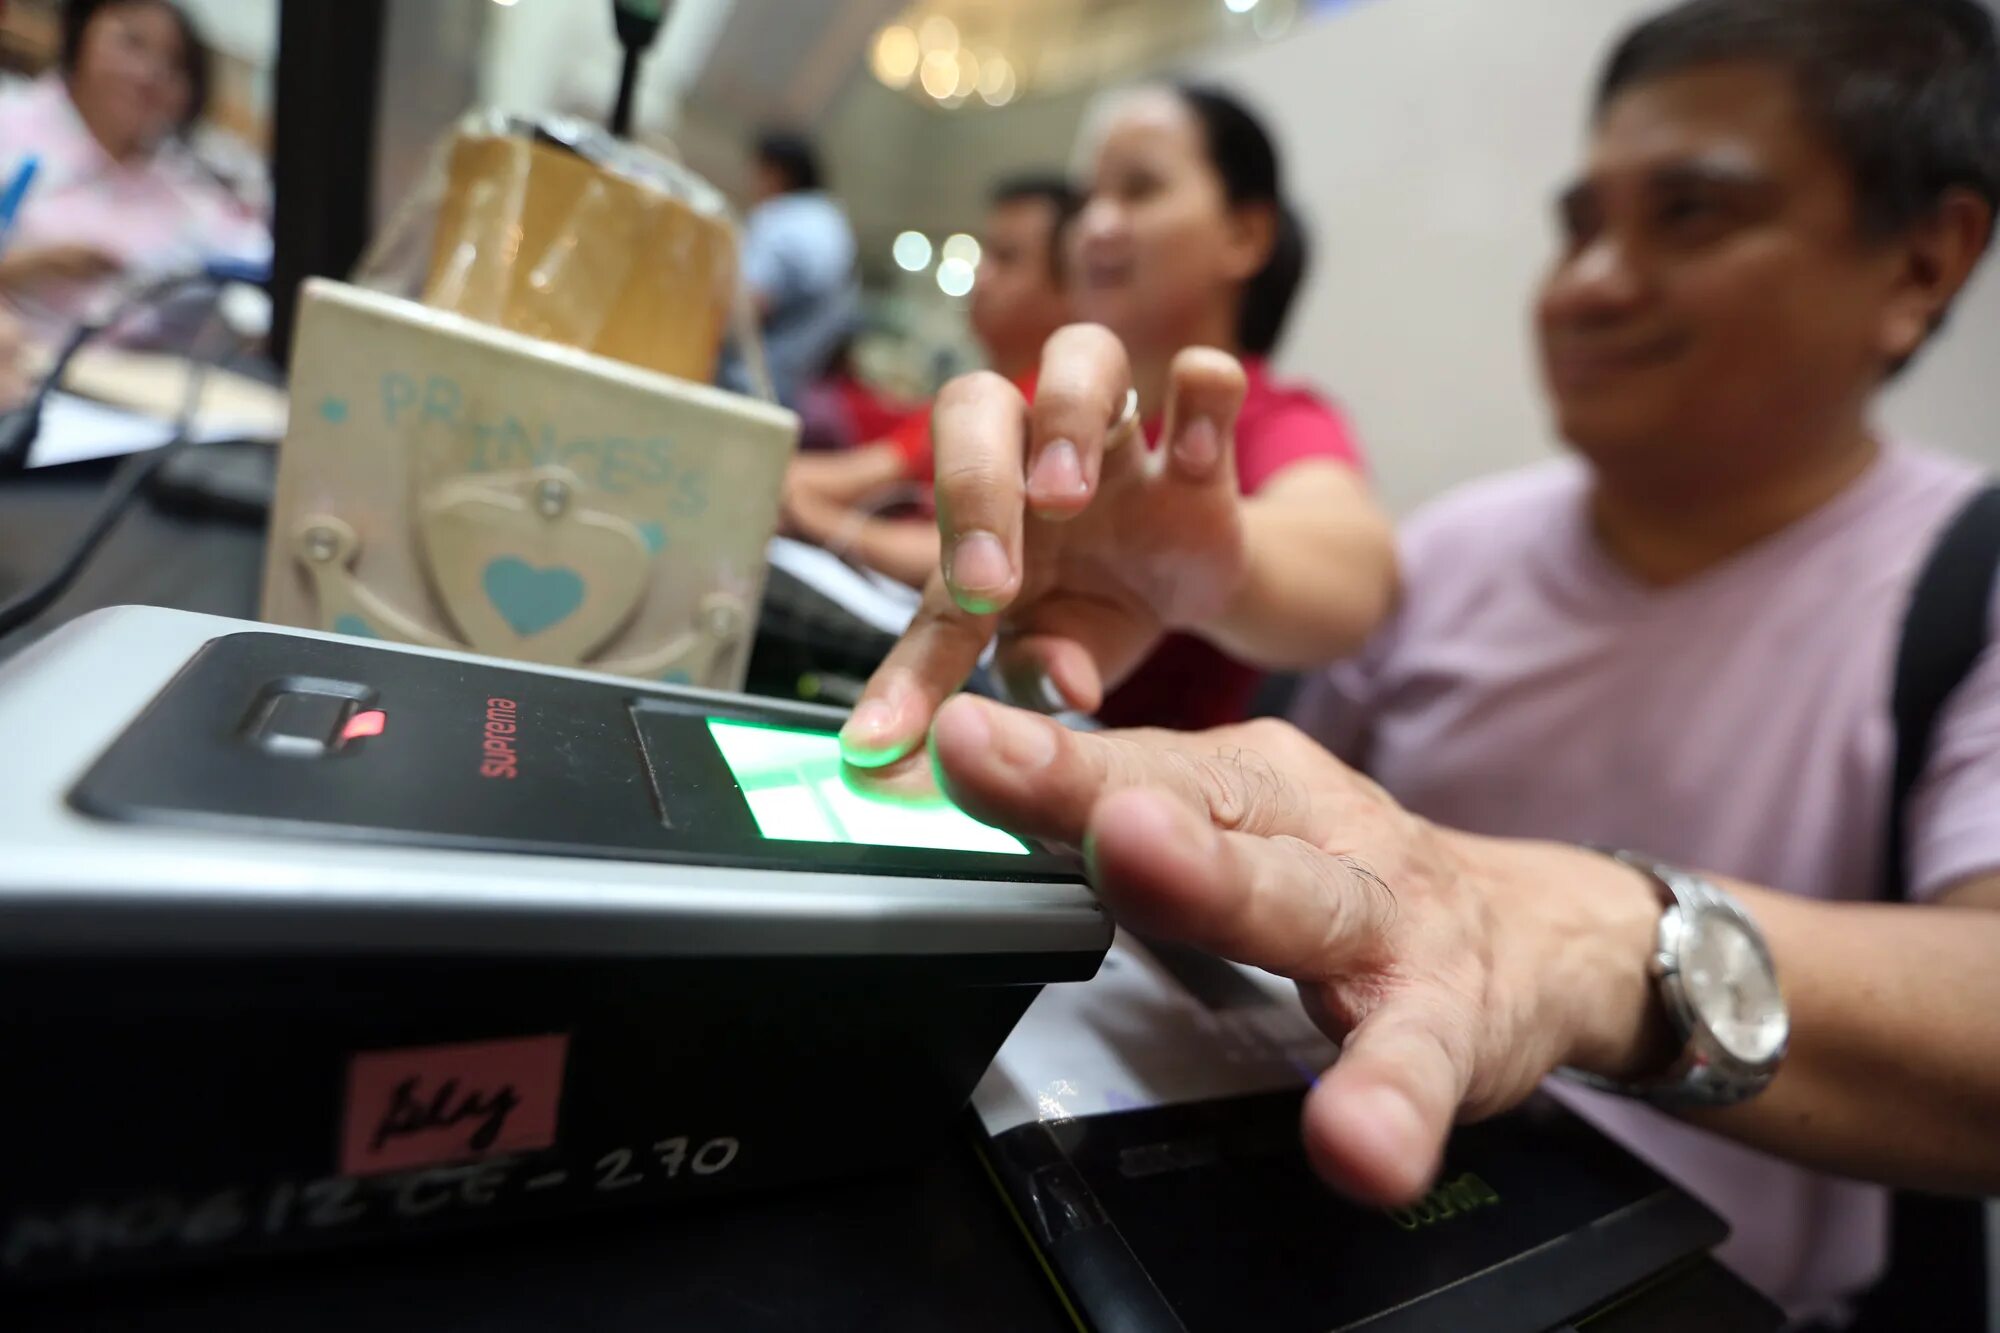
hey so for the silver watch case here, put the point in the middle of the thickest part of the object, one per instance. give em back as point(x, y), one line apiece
point(1706, 1073)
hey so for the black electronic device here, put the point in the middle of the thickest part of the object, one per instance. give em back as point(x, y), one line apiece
point(309, 940)
point(228, 479)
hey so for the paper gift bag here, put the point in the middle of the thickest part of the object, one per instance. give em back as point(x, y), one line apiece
point(450, 483)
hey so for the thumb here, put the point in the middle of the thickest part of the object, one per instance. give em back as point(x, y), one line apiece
point(1376, 1123)
point(1204, 399)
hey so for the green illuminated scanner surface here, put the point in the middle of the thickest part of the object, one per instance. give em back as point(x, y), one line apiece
point(793, 782)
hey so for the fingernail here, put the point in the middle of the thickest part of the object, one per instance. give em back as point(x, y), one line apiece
point(1047, 697)
point(1058, 472)
point(1395, 1127)
point(1022, 739)
point(1031, 687)
point(979, 563)
point(865, 731)
point(968, 724)
point(1199, 447)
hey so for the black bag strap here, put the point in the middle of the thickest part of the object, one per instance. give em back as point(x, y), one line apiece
point(1944, 632)
point(1936, 1275)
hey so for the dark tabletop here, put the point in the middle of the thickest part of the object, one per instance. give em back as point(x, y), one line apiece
point(152, 557)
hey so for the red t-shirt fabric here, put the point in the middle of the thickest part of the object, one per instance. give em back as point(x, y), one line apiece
point(1188, 684)
point(912, 438)
point(872, 415)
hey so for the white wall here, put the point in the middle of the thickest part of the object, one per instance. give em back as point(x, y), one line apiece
point(1424, 139)
point(563, 55)
point(246, 29)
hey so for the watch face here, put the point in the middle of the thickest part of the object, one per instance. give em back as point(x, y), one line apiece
point(1733, 988)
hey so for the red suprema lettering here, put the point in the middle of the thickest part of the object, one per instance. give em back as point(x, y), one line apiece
point(502, 722)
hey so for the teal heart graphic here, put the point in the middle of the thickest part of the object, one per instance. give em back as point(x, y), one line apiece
point(333, 410)
point(654, 536)
point(353, 626)
point(531, 599)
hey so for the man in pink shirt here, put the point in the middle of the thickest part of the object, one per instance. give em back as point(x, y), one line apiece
point(1678, 643)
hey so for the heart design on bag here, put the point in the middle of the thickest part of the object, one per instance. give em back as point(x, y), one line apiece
point(530, 599)
point(524, 568)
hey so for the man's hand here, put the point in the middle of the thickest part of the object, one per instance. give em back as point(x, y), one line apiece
point(29, 268)
point(1079, 545)
point(1457, 971)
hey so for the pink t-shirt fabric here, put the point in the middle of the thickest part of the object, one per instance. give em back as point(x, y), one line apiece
point(158, 216)
point(1737, 723)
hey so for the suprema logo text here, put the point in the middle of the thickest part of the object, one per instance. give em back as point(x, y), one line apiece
point(502, 759)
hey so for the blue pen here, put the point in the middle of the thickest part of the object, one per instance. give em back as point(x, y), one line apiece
point(16, 191)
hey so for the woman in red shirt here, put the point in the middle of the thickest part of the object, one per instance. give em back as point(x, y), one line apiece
point(1142, 582)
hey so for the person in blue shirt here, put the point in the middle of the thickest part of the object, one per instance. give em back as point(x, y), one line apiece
point(798, 263)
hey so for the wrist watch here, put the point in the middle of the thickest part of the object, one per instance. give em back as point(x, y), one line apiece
point(1719, 989)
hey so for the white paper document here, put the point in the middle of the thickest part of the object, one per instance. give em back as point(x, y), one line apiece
point(1135, 1036)
point(882, 602)
point(76, 430)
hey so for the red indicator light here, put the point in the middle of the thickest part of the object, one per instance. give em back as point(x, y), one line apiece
point(365, 724)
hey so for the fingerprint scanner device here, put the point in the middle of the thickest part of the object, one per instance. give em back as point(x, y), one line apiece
point(308, 940)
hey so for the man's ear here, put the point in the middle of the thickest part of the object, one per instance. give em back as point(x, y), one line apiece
point(1939, 254)
point(1253, 232)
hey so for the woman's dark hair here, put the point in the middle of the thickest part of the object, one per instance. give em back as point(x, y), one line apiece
point(76, 19)
point(791, 156)
point(1247, 162)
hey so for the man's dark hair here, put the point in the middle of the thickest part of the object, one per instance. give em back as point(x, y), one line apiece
point(76, 19)
point(793, 157)
point(1244, 157)
point(1043, 188)
point(1907, 91)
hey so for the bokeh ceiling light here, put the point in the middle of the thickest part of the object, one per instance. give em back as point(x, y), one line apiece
point(995, 73)
point(954, 277)
point(938, 33)
point(967, 81)
point(912, 251)
point(939, 74)
point(962, 248)
point(1004, 92)
point(1002, 51)
point(896, 56)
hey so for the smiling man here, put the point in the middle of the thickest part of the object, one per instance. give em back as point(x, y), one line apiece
point(1679, 642)
point(1682, 640)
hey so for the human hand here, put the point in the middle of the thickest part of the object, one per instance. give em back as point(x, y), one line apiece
point(13, 367)
point(39, 265)
point(1081, 546)
point(1456, 971)
point(824, 492)
point(805, 510)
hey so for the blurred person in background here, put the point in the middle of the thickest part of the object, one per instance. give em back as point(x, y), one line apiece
point(117, 198)
point(1155, 575)
point(1680, 643)
point(798, 264)
point(1019, 300)
point(843, 409)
